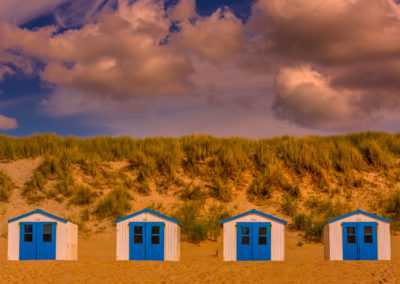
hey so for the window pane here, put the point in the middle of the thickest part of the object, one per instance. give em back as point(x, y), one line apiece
point(155, 230)
point(245, 230)
point(47, 229)
point(138, 230)
point(28, 238)
point(245, 240)
point(46, 237)
point(368, 239)
point(351, 239)
point(28, 228)
point(138, 239)
point(368, 230)
point(262, 240)
point(262, 231)
point(155, 240)
point(351, 230)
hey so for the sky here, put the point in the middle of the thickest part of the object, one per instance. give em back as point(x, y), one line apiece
point(254, 68)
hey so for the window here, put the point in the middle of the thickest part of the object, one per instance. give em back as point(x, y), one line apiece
point(47, 229)
point(368, 239)
point(155, 230)
point(351, 235)
point(138, 230)
point(245, 240)
point(262, 231)
point(351, 239)
point(351, 230)
point(155, 240)
point(28, 228)
point(138, 234)
point(28, 233)
point(138, 239)
point(245, 230)
point(262, 240)
point(46, 238)
point(368, 230)
point(28, 238)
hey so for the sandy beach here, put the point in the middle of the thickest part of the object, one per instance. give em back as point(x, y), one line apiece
point(199, 264)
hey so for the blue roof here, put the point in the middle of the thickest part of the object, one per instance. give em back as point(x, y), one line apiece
point(360, 212)
point(254, 211)
point(40, 212)
point(148, 211)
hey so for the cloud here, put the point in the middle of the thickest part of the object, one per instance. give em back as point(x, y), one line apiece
point(119, 56)
point(307, 98)
point(20, 11)
point(329, 32)
point(216, 38)
point(7, 123)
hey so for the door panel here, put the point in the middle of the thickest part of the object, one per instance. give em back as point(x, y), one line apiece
point(146, 241)
point(244, 241)
point(253, 241)
point(27, 241)
point(46, 240)
point(350, 241)
point(360, 241)
point(368, 241)
point(261, 241)
point(137, 241)
point(155, 241)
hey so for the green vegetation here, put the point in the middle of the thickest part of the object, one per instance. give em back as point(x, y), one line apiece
point(6, 185)
point(203, 168)
point(392, 209)
point(84, 195)
point(115, 204)
point(199, 224)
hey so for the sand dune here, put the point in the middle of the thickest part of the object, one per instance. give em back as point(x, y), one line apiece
point(199, 264)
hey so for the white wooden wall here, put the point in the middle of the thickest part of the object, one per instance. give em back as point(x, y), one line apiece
point(61, 236)
point(171, 236)
point(335, 242)
point(72, 243)
point(277, 236)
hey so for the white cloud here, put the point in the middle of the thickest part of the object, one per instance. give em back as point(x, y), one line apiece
point(7, 123)
point(306, 97)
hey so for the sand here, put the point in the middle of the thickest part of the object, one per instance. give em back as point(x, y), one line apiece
point(199, 264)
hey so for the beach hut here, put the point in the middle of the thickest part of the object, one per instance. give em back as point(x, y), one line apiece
point(148, 235)
point(253, 235)
point(357, 236)
point(41, 235)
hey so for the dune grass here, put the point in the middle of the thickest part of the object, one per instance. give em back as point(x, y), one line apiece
point(6, 186)
point(280, 166)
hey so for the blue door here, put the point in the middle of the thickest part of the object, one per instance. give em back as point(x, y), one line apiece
point(146, 241)
point(253, 241)
point(350, 241)
point(244, 241)
point(262, 241)
point(37, 240)
point(360, 241)
point(368, 241)
point(27, 241)
point(46, 241)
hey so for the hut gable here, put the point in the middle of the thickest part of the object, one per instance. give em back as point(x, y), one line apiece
point(136, 231)
point(358, 235)
point(253, 235)
point(41, 235)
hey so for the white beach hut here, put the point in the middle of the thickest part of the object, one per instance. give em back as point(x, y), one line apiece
point(41, 235)
point(148, 235)
point(253, 235)
point(357, 236)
